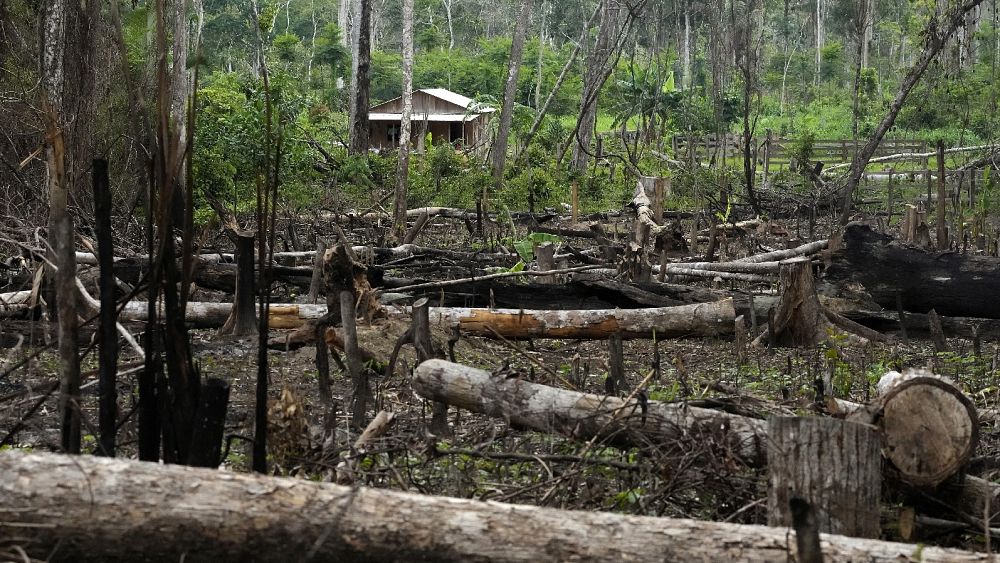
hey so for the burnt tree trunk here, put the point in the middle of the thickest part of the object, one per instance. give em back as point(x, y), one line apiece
point(343, 272)
point(360, 390)
point(952, 284)
point(242, 320)
point(108, 354)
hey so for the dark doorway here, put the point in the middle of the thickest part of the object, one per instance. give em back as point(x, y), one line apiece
point(455, 135)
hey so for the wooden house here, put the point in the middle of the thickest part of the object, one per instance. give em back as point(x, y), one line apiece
point(447, 116)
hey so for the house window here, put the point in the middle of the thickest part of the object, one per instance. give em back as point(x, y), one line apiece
point(393, 134)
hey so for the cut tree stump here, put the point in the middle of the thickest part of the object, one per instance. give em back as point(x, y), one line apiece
point(583, 416)
point(86, 508)
point(800, 319)
point(833, 465)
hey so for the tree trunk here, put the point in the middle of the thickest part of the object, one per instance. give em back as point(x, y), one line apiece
point(748, 62)
point(403, 166)
point(593, 79)
point(835, 466)
point(360, 132)
point(242, 320)
point(954, 285)
point(583, 416)
point(98, 509)
point(499, 151)
point(61, 230)
point(540, 115)
point(819, 41)
point(108, 354)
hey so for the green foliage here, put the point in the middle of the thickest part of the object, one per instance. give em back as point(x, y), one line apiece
point(286, 47)
point(803, 147)
point(832, 67)
point(526, 247)
point(644, 90)
point(330, 52)
point(229, 145)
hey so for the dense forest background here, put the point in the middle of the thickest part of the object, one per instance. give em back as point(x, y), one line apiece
point(803, 70)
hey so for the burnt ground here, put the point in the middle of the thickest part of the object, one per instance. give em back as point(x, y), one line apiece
point(488, 458)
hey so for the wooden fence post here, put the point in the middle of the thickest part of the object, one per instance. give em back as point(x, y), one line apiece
point(769, 137)
point(940, 206)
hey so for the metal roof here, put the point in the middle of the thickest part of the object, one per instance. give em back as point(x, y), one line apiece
point(417, 117)
point(448, 96)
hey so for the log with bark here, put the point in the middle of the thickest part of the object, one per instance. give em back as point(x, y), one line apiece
point(98, 509)
point(952, 284)
point(703, 319)
point(585, 416)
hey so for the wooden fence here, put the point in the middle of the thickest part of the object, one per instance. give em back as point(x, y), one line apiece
point(775, 153)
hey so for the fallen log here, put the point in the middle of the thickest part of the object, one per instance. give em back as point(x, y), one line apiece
point(733, 267)
point(99, 509)
point(952, 284)
point(703, 319)
point(930, 429)
point(584, 416)
point(573, 294)
point(963, 327)
point(202, 314)
point(608, 272)
point(779, 255)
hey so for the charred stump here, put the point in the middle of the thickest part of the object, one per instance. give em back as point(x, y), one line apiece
point(242, 320)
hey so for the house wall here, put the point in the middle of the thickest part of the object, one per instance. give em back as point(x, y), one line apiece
point(472, 132)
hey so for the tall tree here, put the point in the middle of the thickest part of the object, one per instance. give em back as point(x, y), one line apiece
point(593, 79)
point(748, 38)
point(540, 114)
point(820, 40)
point(403, 164)
point(361, 80)
point(499, 151)
point(60, 221)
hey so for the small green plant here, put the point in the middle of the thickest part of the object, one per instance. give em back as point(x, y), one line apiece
point(526, 247)
point(841, 376)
